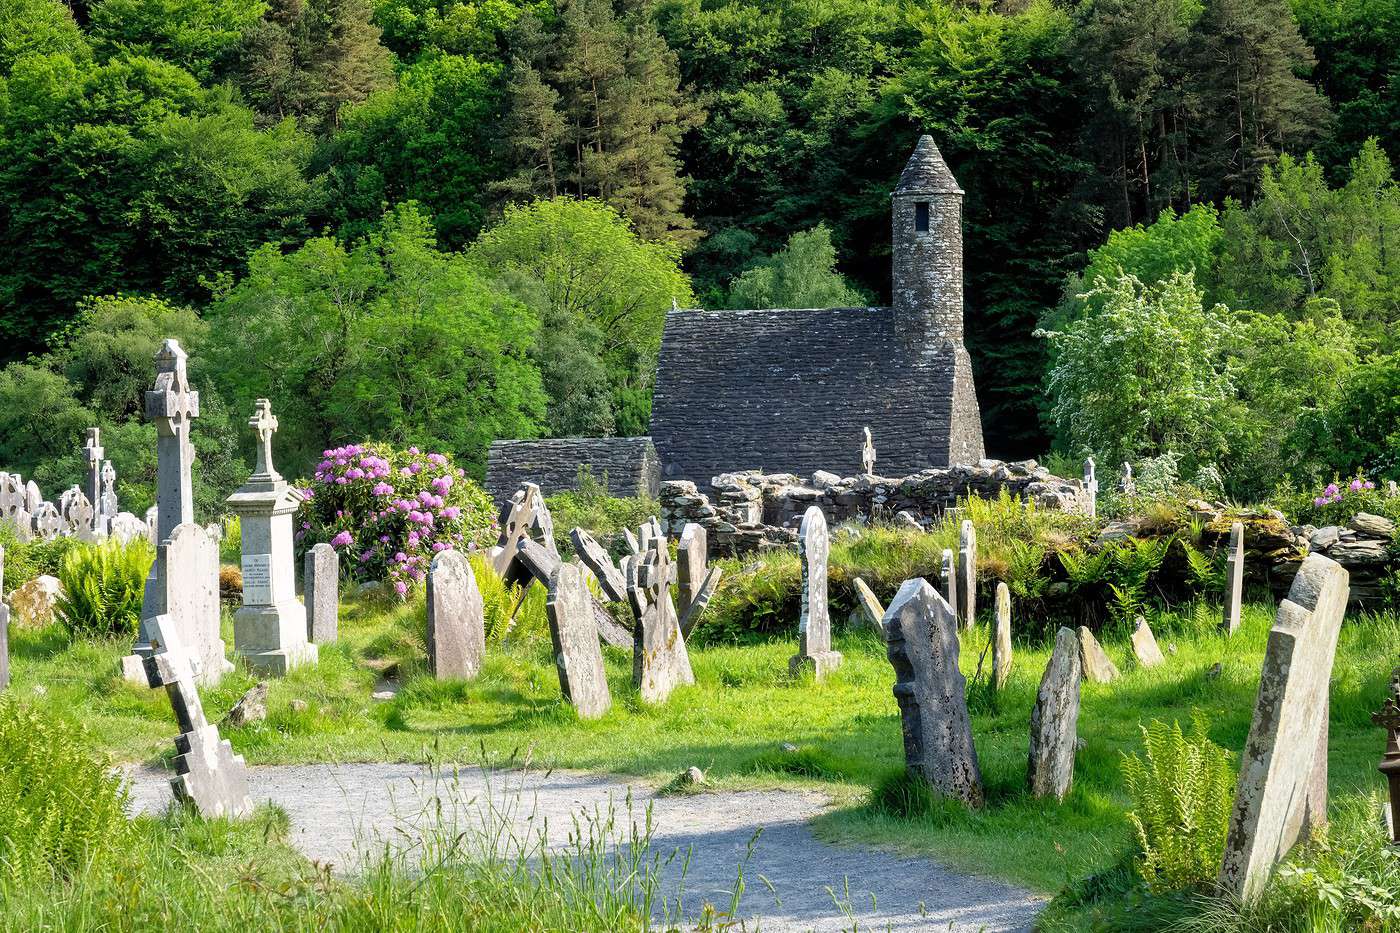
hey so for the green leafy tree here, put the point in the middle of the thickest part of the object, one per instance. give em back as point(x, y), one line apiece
point(601, 293)
point(37, 27)
point(1365, 420)
point(800, 275)
point(198, 35)
point(130, 176)
point(416, 28)
point(385, 338)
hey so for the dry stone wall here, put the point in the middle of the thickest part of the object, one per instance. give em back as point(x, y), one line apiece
point(629, 463)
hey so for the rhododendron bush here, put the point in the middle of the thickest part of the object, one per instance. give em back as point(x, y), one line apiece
point(387, 511)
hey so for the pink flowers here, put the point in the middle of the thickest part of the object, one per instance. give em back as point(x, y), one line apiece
point(382, 489)
point(341, 540)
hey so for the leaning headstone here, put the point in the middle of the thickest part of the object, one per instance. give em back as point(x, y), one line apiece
point(1145, 647)
point(921, 636)
point(660, 662)
point(321, 589)
point(814, 628)
point(865, 596)
point(517, 515)
point(1234, 579)
point(967, 574)
point(948, 573)
point(577, 655)
point(456, 618)
point(1001, 639)
point(207, 772)
point(1283, 769)
point(595, 557)
point(691, 559)
point(1055, 720)
point(867, 454)
point(1091, 487)
point(1097, 665)
point(269, 629)
point(539, 562)
point(702, 599)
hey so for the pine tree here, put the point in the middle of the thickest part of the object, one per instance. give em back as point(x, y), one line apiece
point(534, 133)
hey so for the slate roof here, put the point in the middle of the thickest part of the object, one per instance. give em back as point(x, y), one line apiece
point(790, 390)
point(926, 172)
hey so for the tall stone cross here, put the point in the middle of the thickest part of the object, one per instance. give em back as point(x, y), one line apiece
point(172, 406)
point(265, 424)
point(92, 453)
point(1091, 487)
point(1388, 718)
point(867, 454)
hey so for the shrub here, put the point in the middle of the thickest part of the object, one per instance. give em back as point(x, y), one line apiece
point(103, 586)
point(388, 511)
point(61, 808)
point(1340, 500)
point(25, 560)
point(1182, 788)
point(590, 506)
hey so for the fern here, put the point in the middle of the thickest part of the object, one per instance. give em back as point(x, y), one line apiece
point(1182, 788)
point(1024, 573)
point(103, 586)
point(1086, 567)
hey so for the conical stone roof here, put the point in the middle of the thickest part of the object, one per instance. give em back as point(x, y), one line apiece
point(926, 172)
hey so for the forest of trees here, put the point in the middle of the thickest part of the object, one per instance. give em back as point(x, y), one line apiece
point(380, 210)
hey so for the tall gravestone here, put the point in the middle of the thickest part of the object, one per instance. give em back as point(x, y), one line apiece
point(208, 774)
point(269, 629)
point(814, 628)
point(322, 592)
point(948, 573)
point(456, 618)
point(1055, 721)
point(108, 506)
point(92, 473)
point(921, 637)
point(1001, 639)
point(1282, 786)
point(660, 662)
point(692, 556)
point(967, 574)
point(867, 454)
point(188, 591)
point(1234, 579)
point(574, 633)
point(1091, 487)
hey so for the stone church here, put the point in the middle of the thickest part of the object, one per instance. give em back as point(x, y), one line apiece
point(790, 389)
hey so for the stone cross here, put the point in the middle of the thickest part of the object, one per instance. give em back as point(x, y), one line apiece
point(948, 570)
point(522, 514)
point(660, 661)
point(456, 618)
point(1001, 640)
point(108, 507)
point(83, 519)
point(967, 574)
point(92, 453)
point(814, 628)
point(269, 629)
point(1388, 718)
point(184, 586)
point(867, 454)
point(208, 774)
point(173, 406)
point(921, 638)
point(1091, 487)
point(539, 562)
point(1055, 720)
point(577, 656)
point(47, 522)
point(1234, 579)
point(1283, 770)
point(322, 593)
point(1125, 481)
point(265, 424)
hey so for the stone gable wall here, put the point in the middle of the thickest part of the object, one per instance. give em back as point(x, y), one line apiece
point(629, 463)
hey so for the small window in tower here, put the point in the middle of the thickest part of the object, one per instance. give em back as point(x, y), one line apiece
point(921, 217)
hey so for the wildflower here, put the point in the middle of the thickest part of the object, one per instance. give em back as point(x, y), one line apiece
point(401, 587)
point(341, 540)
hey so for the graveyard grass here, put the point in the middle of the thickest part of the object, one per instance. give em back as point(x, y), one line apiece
point(740, 718)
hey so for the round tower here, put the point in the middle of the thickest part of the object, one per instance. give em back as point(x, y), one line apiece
point(926, 247)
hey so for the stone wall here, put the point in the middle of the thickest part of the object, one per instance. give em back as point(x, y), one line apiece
point(752, 510)
point(629, 463)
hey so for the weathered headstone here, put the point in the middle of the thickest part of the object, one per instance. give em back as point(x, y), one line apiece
point(867, 454)
point(691, 558)
point(577, 656)
point(870, 606)
point(595, 557)
point(1283, 769)
point(660, 662)
point(517, 515)
point(84, 520)
point(1001, 639)
point(207, 772)
point(1096, 663)
point(702, 599)
point(187, 591)
point(1234, 579)
point(92, 475)
point(4, 646)
point(456, 618)
point(1055, 720)
point(1145, 647)
point(48, 523)
point(814, 628)
point(269, 629)
point(321, 589)
point(948, 573)
point(1091, 487)
point(921, 635)
point(967, 574)
point(107, 505)
point(127, 527)
point(1126, 486)
point(33, 498)
point(540, 563)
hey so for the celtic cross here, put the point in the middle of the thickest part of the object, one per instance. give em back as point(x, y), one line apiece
point(265, 424)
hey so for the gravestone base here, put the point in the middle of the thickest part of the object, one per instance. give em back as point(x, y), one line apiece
point(819, 664)
point(273, 638)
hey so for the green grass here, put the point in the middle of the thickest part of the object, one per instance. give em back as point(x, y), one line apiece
point(735, 722)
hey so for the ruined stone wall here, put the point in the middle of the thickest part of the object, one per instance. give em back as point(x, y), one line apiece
point(629, 463)
point(751, 510)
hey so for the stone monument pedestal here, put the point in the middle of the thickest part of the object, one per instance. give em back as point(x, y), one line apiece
point(267, 637)
point(820, 664)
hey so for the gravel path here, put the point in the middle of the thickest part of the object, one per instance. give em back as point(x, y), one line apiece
point(335, 809)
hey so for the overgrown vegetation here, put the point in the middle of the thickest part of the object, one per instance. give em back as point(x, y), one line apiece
point(102, 587)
